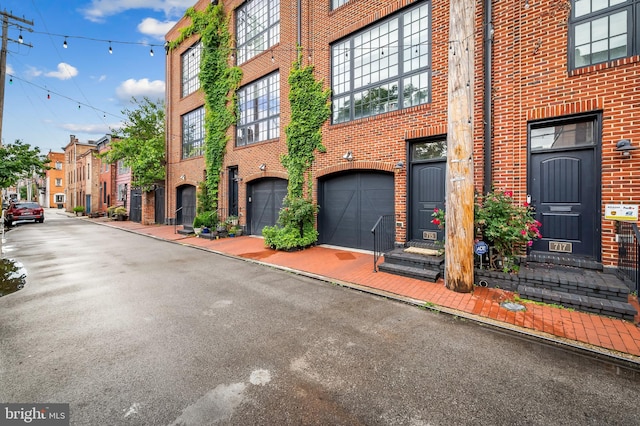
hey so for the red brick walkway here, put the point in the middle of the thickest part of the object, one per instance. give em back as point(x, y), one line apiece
point(355, 269)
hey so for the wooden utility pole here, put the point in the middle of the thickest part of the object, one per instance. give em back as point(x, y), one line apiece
point(459, 233)
point(6, 17)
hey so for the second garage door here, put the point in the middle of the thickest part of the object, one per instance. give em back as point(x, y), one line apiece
point(350, 204)
point(264, 201)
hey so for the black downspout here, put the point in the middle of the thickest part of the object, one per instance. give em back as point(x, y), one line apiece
point(299, 23)
point(488, 118)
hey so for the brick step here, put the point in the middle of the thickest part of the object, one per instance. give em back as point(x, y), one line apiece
point(186, 230)
point(411, 272)
point(400, 257)
point(581, 282)
point(612, 308)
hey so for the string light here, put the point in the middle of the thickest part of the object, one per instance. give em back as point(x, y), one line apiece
point(151, 52)
point(48, 95)
point(110, 49)
point(20, 39)
point(65, 43)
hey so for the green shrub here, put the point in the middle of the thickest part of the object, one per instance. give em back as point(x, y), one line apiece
point(78, 209)
point(207, 219)
point(110, 210)
point(120, 211)
point(295, 228)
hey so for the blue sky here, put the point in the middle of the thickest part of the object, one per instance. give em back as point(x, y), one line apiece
point(82, 89)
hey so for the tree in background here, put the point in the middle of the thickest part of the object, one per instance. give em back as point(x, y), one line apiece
point(140, 143)
point(19, 160)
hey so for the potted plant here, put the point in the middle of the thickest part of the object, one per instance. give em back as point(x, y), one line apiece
point(78, 210)
point(120, 213)
point(233, 231)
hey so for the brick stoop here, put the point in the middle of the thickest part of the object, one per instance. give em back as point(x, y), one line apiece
point(412, 265)
point(587, 290)
point(572, 283)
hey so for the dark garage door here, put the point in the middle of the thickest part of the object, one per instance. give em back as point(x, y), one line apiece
point(264, 200)
point(350, 204)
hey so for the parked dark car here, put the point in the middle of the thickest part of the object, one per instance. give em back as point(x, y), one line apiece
point(23, 211)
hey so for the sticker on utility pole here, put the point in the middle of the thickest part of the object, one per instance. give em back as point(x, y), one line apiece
point(621, 212)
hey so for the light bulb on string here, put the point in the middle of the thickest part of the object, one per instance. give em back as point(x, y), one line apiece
point(48, 95)
point(65, 43)
point(78, 106)
point(20, 39)
point(10, 80)
point(151, 52)
point(110, 49)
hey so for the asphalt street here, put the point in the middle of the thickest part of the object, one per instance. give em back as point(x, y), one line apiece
point(131, 330)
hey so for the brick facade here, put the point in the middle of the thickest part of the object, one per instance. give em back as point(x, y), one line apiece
point(531, 81)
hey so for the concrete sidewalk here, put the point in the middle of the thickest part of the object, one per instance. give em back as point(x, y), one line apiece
point(604, 337)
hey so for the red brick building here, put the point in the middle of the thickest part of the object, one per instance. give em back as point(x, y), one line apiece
point(107, 193)
point(563, 77)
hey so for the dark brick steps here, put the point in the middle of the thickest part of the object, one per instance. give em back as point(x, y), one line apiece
point(596, 305)
point(574, 283)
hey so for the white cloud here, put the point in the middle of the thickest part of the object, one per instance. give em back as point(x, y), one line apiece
point(154, 28)
point(154, 90)
point(64, 72)
point(33, 72)
point(86, 128)
point(10, 70)
point(98, 10)
point(100, 78)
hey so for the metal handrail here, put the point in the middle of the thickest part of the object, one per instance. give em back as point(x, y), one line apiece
point(175, 220)
point(383, 237)
point(628, 238)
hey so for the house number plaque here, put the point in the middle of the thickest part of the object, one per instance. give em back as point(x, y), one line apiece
point(561, 247)
point(429, 235)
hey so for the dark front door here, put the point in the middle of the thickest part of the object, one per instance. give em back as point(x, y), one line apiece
point(233, 191)
point(427, 194)
point(159, 205)
point(427, 188)
point(350, 204)
point(264, 201)
point(135, 209)
point(186, 205)
point(565, 190)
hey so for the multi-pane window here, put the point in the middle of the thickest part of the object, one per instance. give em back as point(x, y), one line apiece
point(193, 133)
point(258, 27)
point(58, 181)
point(383, 68)
point(122, 169)
point(259, 109)
point(603, 30)
point(58, 165)
point(337, 3)
point(191, 69)
point(59, 198)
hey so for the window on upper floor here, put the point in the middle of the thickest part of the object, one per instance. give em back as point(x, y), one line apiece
point(122, 169)
point(259, 111)
point(603, 30)
point(337, 3)
point(191, 69)
point(384, 67)
point(258, 27)
point(58, 181)
point(193, 133)
point(58, 165)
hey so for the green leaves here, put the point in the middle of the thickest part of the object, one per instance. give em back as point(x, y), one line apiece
point(18, 160)
point(141, 143)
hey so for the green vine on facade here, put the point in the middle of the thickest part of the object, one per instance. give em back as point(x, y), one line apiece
point(219, 82)
point(309, 110)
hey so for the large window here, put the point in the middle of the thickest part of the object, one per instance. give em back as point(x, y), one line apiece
point(603, 30)
point(191, 69)
point(258, 27)
point(259, 107)
point(193, 133)
point(337, 3)
point(383, 68)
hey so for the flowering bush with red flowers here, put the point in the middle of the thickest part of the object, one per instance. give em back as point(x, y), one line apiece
point(507, 226)
point(503, 224)
point(438, 217)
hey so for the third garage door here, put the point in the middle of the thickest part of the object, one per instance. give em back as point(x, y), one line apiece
point(350, 204)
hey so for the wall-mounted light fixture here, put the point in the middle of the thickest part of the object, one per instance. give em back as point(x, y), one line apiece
point(263, 167)
point(348, 156)
point(399, 165)
point(624, 146)
point(526, 4)
point(183, 177)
